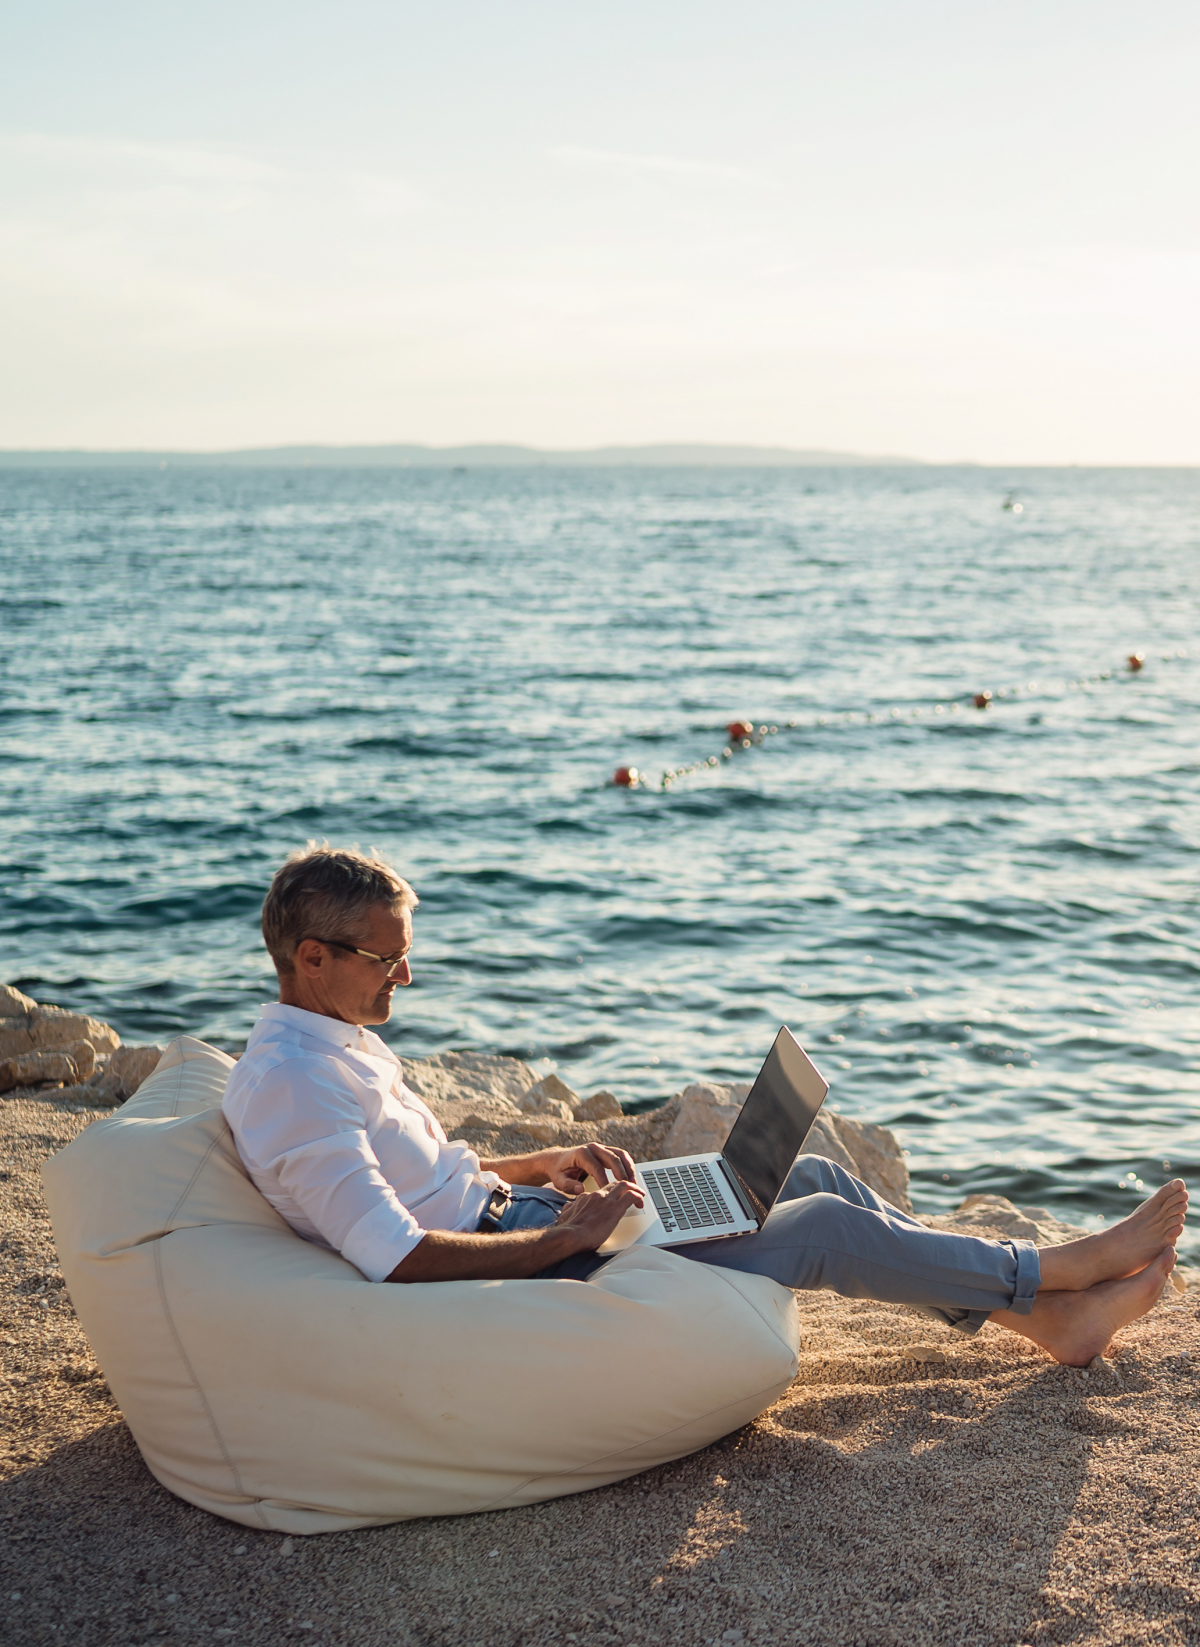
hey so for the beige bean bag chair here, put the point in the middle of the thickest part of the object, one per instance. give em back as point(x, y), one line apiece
point(264, 1379)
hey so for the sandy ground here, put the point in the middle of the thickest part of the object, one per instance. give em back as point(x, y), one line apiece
point(891, 1497)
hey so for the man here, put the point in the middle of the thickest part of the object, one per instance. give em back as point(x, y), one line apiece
point(353, 1160)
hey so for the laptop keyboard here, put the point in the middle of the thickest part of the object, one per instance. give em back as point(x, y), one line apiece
point(687, 1197)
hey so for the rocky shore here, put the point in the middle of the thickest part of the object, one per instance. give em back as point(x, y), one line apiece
point(913, 1487)
point(500, 1106)
point(45, 1047)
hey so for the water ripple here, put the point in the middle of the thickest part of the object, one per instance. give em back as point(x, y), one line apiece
point(984, 925)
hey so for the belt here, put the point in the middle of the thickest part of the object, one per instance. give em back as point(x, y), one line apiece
point(498, 1204)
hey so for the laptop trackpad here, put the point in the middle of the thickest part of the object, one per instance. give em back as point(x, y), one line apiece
point(635, 1224)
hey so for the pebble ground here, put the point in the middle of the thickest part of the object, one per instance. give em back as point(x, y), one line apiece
point(913, 1487)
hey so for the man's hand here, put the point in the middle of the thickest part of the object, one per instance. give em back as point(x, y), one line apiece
point(582, 1225)
point(566, 1169)
point(594, 1217)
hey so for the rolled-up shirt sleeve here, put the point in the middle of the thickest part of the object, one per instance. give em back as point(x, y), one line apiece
point(319, 1153)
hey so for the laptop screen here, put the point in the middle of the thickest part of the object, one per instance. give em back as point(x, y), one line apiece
point(780, 1108)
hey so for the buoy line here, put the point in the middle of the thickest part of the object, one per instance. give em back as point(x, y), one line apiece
point(745, 734)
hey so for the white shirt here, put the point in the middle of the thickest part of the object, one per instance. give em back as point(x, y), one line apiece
point(340, 1147)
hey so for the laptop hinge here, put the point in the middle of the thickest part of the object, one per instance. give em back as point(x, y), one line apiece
point(735, 1185)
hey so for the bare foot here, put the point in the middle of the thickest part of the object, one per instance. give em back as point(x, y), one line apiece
point(1075, 1326)
point(1125, 1249)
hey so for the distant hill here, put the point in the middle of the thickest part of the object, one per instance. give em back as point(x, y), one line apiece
point(450, 457)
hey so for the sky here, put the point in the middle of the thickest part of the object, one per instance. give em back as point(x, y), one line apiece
point(948, 229)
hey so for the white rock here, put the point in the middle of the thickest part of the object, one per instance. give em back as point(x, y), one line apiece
point(703, 1121)
point(995, 1212)
point(123, 1072)
point(71, 1064)
point(549, 1096)
point(83, 1055)
point(601, 1106)
point(15, 1039)
point(823, 1140)
point(13, 1004)
point(447, 1077)
point(551, 1110)
point(55, 1027)
point(707, 1111)
point(44, 1027)
point(1051, 1230)
point(481, 1117)
point(545, 1128)
point(874, 1151)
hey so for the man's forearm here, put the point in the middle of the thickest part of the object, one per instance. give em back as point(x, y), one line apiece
point(522, 1169)
point(444, 1255)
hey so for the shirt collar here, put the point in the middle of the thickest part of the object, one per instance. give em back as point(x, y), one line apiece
point(352, 1037)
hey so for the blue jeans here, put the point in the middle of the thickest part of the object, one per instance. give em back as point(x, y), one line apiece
point(830, 1232)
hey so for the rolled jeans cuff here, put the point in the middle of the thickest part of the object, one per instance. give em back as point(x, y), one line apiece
point(1029, 1279)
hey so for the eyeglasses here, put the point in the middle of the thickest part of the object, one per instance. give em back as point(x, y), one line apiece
point(392, 962)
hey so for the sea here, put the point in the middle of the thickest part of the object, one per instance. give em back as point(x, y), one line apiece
point(981, 921)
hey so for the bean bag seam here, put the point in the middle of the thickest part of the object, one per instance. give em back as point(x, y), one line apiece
point(230, 1465)
point(177, 1070)
point(178, 1090)
point(191, 1183)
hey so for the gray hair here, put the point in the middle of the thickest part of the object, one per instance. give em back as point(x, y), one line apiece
point(325, 891)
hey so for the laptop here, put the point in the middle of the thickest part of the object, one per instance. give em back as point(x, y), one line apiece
point(701, 1197)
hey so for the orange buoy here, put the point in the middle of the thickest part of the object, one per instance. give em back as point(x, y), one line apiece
point(626, 777)
point(739, 730)
point(1136, 660)
point(982, 699)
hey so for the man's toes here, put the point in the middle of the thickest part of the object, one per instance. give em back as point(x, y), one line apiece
point(1170, 1201)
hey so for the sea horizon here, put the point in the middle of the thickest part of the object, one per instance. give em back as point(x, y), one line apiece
point(501, 454)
